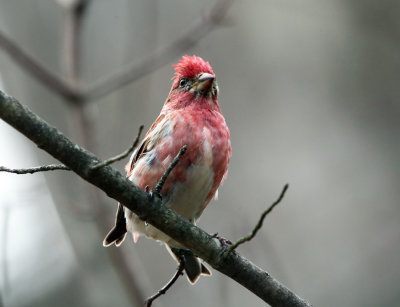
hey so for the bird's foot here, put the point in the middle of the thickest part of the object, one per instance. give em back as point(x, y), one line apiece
point(179, 252)
point(224, 242)
point(152, 194)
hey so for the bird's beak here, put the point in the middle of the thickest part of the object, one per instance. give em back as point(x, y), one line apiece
point(204, 83)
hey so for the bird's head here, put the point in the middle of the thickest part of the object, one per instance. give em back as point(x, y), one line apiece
point(194, 82)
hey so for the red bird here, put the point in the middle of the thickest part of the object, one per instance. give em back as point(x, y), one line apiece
point(190, 116)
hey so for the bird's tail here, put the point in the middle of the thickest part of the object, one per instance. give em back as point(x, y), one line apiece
point(193, 266)
point(118, 232)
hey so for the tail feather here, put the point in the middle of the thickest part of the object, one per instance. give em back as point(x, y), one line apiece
point(118, 232)
point(116, 236)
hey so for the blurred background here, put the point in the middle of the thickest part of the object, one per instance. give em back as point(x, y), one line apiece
point(310, 91)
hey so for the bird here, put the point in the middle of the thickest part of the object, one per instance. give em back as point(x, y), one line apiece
point(190, 116)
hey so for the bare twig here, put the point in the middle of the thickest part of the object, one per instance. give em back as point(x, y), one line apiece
point(259, 224)
point(31, 170)
point(53, 167)
point(174, 162)
point(179, 271)
point(122, 155)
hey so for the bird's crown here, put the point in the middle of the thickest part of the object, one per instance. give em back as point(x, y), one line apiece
point(190, 66)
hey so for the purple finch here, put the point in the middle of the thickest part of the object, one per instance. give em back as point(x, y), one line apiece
point(190, 116)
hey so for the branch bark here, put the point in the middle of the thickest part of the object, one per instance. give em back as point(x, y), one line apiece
point(116, 186)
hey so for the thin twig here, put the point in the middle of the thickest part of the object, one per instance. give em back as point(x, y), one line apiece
point(160, 184)
point(53, 167)
point(31, 170)
point(122, 155)
point(163, 290)
point(259, 224)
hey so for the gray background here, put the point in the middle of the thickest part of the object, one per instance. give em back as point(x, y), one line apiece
point(310, 91)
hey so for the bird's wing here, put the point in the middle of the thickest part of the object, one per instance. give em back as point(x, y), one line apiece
point(149, 141)
point(118, 232)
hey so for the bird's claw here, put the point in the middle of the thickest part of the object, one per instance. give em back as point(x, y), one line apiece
point(152, 194)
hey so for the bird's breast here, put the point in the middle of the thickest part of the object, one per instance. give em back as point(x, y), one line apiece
point(195, 179)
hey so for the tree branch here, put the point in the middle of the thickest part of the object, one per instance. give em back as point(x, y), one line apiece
point(116, 186)
point(259, 224)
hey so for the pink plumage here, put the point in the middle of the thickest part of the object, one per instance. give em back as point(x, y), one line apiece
point(190, 116)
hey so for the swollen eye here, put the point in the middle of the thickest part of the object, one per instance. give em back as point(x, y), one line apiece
point(182, 82)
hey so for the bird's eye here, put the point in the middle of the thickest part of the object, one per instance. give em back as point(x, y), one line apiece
point(182, 82)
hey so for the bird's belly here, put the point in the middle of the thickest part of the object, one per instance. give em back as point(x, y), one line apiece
point(186, 198)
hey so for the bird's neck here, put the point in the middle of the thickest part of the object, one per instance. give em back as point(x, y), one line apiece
point(189, 101)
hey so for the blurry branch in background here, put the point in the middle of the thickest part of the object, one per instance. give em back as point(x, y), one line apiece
point(79, 94)
point(121, 189)
point(37, 70)
point(191, 37)
point(259, 224)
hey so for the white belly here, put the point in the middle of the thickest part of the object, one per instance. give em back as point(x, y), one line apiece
point(187, 199)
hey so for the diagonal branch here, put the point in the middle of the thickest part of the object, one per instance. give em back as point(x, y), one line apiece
point(259, 224)
point(38, 71)
point(115, 185)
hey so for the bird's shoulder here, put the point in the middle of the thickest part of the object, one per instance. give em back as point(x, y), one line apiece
point(156, 131)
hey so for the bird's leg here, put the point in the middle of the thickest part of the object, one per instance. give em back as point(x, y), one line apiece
point(180, 252)
point(151, 194)
point(224, 242)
